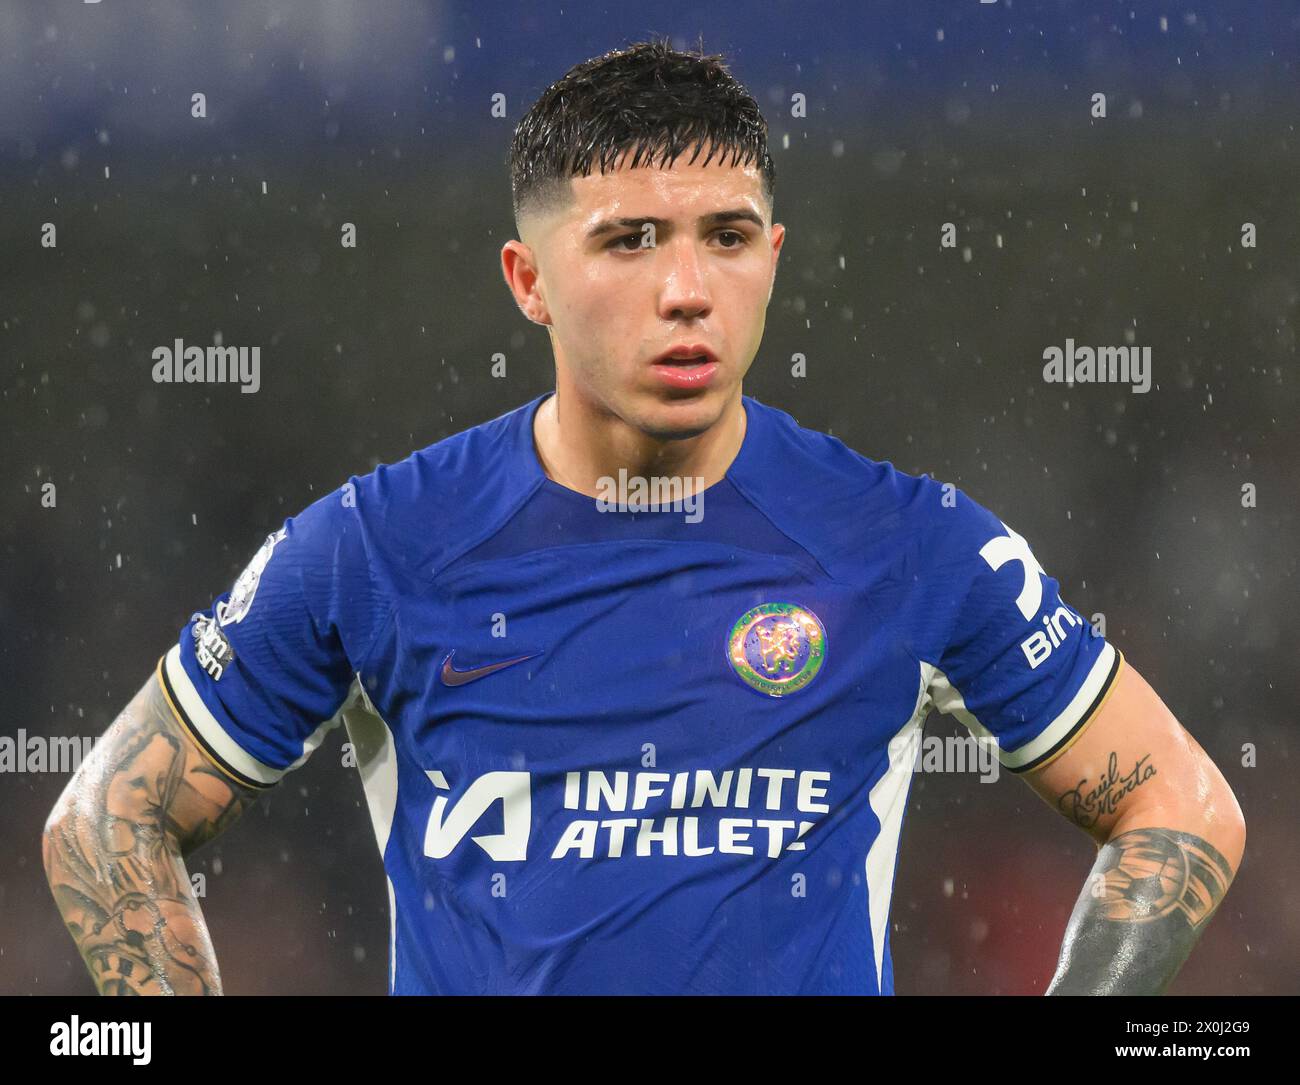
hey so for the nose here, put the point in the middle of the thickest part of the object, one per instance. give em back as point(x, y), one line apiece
point(685, 293)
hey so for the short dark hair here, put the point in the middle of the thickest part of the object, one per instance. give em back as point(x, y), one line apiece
point(648, 97)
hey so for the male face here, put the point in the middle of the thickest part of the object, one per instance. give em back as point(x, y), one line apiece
point(644, 260)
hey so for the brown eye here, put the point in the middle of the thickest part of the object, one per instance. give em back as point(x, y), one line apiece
point(737, 235)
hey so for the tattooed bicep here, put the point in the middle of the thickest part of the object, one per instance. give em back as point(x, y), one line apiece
point(148, 777)
point(1133, 753)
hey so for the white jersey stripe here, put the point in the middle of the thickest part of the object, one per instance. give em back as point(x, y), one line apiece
point(889, 803)
point(376, 753)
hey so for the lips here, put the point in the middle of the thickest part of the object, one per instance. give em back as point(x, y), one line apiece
point(687, 354)
point(686, 368)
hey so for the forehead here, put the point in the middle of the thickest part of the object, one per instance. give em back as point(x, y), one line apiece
point(689, 188)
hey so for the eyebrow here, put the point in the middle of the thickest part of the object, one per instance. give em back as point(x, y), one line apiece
point(714, 218)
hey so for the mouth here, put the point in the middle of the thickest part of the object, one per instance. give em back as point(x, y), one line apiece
point(690, 366)
point(687, 356)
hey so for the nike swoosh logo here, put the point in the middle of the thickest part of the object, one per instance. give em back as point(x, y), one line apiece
point(453, 677)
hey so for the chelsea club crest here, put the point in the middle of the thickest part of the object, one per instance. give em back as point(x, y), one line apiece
point(777, 648)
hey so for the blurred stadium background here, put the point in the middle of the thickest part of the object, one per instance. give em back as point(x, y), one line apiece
point(918, 114)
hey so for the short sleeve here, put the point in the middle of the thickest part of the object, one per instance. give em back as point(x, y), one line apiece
point(259, 676)
point(1010, 658)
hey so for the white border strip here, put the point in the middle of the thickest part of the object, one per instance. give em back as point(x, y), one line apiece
point(1066, 721)
point(888, 801)
point(376, 753)
point(202, 719)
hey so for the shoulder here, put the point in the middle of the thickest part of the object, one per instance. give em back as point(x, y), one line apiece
point(847, 506)
point(419, 512)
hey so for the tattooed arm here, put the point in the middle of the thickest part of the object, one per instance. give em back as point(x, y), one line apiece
point(1171, 838)
point(114, 846)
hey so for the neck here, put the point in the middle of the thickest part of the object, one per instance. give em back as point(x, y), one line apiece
point(578, 445)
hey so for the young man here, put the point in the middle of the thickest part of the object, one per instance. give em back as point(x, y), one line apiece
point(615, 750)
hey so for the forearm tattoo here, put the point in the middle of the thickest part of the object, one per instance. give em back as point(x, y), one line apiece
point(114, 847)
point(1145, 904)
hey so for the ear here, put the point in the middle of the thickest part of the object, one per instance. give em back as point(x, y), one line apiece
point(519, 267)
point(778, 239)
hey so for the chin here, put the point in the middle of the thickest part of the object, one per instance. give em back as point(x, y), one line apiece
point(682, 417)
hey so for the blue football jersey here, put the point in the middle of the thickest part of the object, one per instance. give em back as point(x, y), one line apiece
point(615, 750)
